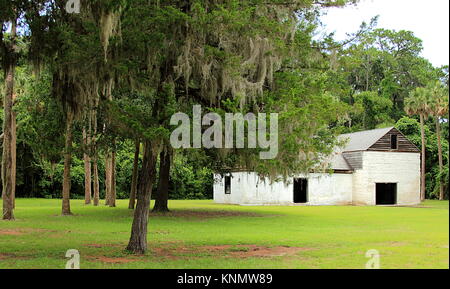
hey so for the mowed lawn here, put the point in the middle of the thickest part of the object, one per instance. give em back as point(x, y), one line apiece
point(201, 234)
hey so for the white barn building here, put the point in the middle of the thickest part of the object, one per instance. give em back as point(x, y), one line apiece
point(377, 167)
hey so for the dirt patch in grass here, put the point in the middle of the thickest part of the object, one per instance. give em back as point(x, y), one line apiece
point(230, 251)
point(95, 245)
point(204, 214)
point(6, 256)
point(11, 256)
point(180, 252)
point(21, 231)
point(245, 251)
point(169, 253)
point(11, 232)
point(112, 260)
point(398, 244)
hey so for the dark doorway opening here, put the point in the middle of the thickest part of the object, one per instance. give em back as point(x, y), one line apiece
point(300, 191)
point(386, 194)
point(394, 142)
point(228, 185)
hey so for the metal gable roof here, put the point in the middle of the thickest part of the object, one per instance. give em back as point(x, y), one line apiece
point(363, 140)
point(339, 163)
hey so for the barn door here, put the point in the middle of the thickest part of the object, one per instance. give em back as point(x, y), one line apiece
point(300, 191)
point(386, 194)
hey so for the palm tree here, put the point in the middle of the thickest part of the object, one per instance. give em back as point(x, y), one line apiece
point(439, 109)
point(418, 104)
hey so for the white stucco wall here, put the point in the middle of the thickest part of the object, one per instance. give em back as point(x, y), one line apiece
point(388, 167)
point(358, 188)
point(333, 190)
point(361, 195)
point(248, 189)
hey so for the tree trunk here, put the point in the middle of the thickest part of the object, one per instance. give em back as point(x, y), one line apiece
point(96, 185)
point(87, 168)
point(441, 162)
point(96, 181)
point(162, 193)
point(110, 161)
point(134, 178)
point(112, 192)
point(110, 179)
point(8, 162)
point(13, 153)
point(107, 178)
point(423, 170)
point(7, 158)
point(138, 239)
point(67, 165)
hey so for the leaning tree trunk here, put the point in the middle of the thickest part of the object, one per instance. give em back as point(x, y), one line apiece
point(441, 162)
point(134, 177)
point(8, 156)
point(67, 164)
point(87, 168)
point(423, 170)
point(162, 193)
point(138, 239)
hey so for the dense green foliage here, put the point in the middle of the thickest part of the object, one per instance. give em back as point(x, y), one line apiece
point(320, 88)
point(410, 127)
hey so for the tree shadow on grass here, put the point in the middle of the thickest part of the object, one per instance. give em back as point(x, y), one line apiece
point(208, 214)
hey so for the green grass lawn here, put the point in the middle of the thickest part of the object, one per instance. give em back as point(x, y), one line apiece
point(201, 234)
